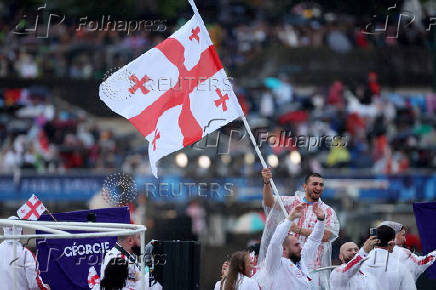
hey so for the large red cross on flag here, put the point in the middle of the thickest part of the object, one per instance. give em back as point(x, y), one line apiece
point(31, 209)
point(174, 94)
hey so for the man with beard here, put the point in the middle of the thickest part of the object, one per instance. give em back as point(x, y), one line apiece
point(287, 263)
point(387, 271)
point(415, 264)
point(127, 248)
point(348, 275)
point(313, 189)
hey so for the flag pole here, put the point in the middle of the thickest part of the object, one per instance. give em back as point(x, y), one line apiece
point(264, 165)
point(194, 7)
point(50, 214)
point(247, 127)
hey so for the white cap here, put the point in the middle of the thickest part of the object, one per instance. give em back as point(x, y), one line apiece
point(9, 230)
point(397, 227)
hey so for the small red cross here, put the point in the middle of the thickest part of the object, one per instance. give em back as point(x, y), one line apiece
point(195, 34)
point(33, 210)
point(139, 84)
point(222, 100)
point(93, 280)
point(156, 136)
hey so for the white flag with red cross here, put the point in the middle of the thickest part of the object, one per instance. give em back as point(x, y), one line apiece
point(31, 209)
point(175, 93)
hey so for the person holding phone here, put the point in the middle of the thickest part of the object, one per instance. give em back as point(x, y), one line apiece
point(388, 272)
point(414, 263)
point(348, 276)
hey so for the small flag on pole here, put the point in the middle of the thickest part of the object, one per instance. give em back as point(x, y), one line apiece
point(31, 209)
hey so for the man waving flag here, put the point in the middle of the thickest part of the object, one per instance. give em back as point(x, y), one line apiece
point(175, 93)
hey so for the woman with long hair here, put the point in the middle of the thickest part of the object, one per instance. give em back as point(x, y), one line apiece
point(238, 277)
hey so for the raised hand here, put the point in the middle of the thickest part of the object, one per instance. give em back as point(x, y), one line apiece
point(225, 269)
point(266, 175)
point(370, 244)
point(318, 211)
point(296, 212)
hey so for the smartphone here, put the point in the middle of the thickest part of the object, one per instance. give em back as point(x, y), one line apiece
point(373, 231)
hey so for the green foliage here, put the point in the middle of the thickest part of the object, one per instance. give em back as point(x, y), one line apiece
point(171, 8)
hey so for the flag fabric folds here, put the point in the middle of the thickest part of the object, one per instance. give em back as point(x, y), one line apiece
point(425, 214)
point(175, 93)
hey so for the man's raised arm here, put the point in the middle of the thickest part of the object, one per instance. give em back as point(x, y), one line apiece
point(275, 247)
point(310, 248)
point(342, 274)
point(268, 198)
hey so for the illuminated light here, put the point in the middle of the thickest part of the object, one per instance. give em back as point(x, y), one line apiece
point(295, 157)
point(181, 160)
point(273, 160)
point(204, 161)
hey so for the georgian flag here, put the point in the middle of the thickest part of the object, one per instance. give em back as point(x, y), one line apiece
point(31, 209)
point(175, 93)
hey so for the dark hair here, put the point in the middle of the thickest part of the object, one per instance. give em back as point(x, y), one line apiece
point(385, 234)
point(312, 174)
point(115, 274)
point(254, 248)
point(237, 265)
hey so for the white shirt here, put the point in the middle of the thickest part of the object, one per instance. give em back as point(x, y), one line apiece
point(388, 272)
point(27, 273)
point(415, 264)
point(282, 272)
point(243, 283)
point(350, 277)
point(308, 221)
point(133, 265)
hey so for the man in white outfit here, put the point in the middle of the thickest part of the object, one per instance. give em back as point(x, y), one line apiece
point(303, 227)
point(415, 264)
point(348, 276)
point(385, 267)
point(25, 265)
point(287, 264)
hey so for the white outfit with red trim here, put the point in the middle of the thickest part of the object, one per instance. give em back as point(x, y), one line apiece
point(308, 221)
point(27, 273)
point(387, 270)
point(282, 273)
point(415, 264)
point(243, 283)
point(350, 277)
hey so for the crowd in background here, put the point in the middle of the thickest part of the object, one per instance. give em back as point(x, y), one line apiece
point(384, 131)
point(36, 135)
point(68, 49)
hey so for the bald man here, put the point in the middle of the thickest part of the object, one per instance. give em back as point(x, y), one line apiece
point(348, 275)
